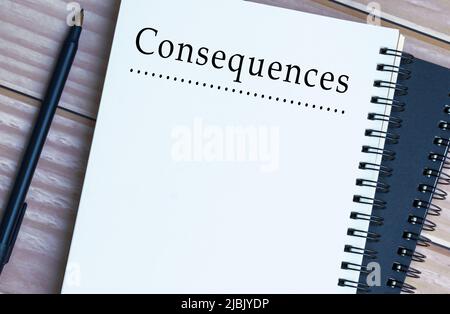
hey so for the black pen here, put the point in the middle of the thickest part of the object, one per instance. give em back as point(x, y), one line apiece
point(15, 210)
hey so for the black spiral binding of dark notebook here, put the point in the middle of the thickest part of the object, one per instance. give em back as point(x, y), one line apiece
point(410, 173)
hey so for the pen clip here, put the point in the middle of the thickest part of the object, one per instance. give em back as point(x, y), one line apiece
point(16, 232)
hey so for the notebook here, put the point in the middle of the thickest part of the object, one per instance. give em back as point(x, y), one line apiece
point(413, 179)
point(225, 156)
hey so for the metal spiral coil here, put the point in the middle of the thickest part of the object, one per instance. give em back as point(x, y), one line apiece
point(429, 208)
point(385, 153)
point(415, 256)
point(395, 105)
point(380, 186)
point(406, 57)
point(393, 122)
point(443, 178)
point(379, 204)
point(409, 271)
point(372, 218)
point(361, 251)
point(403, 74)
point(437, 193)
point(444, 125)
point(371, 236)
point(362, 287)
point(447, 109)
point(440, 158)
point(426, 224)
point(403, 286)
point(391, 138)
point(356, 267)
point(401, 90)
point(433, 209)
point(418, 238)
point(440, 141)
point(383, 170)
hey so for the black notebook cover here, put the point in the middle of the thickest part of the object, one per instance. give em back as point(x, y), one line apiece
point(419, 158)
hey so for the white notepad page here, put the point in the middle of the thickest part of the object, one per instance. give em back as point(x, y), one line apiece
point(204, 189)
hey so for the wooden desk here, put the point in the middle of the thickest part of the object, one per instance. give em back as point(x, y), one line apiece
point(31, 32)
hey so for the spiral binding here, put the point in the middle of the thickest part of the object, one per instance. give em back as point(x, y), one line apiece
point(384, 171)
point(430, 209)
point(426, 206)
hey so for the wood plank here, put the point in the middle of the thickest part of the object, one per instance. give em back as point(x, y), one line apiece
point(441, 235)
point(39, 258)
point(31, 33)
point(435, 277)
point(424, 16)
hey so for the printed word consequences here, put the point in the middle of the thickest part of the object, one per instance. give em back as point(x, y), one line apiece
point(148, 43)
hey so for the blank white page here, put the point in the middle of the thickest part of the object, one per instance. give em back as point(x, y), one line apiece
point(208, 179)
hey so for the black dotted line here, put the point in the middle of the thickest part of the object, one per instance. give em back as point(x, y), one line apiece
point(236, 91)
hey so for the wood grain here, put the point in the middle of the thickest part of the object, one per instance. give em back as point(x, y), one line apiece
point(30, 37)
point(442, 233)
point(429, 16)
point(31, 33)
point(435, 277)
point(39, 257)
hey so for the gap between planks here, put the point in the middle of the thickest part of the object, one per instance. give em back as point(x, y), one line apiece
point(36, 102)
